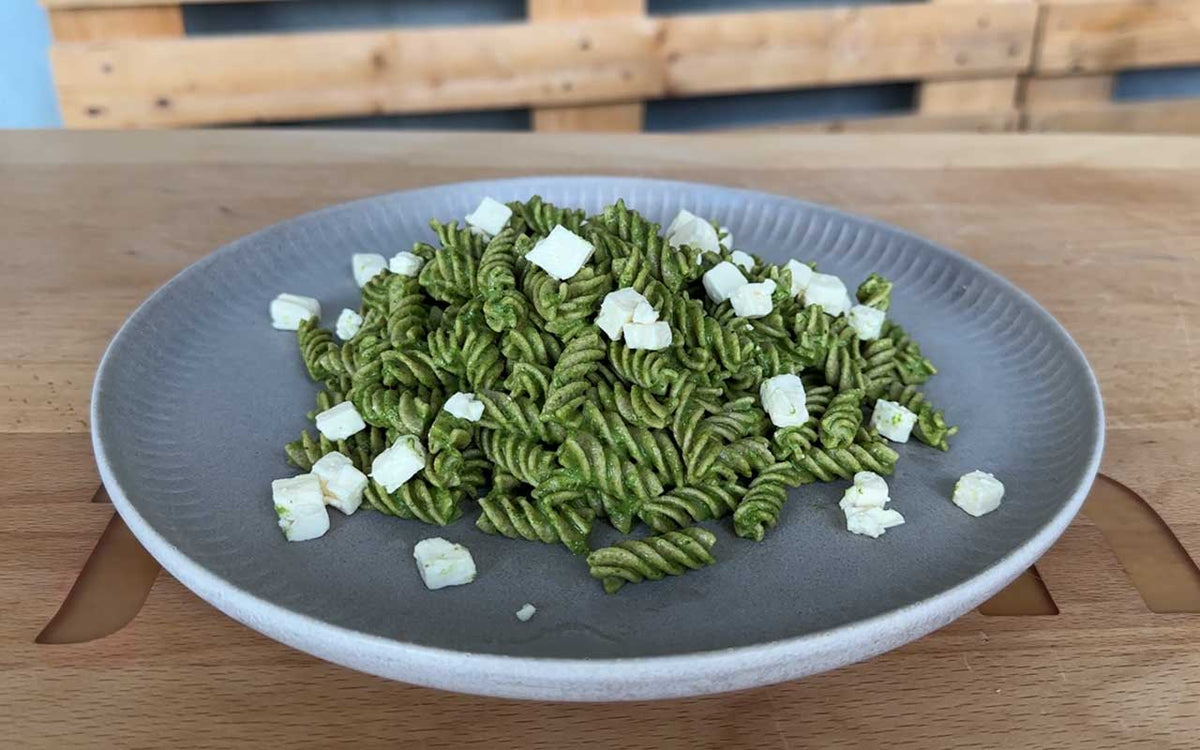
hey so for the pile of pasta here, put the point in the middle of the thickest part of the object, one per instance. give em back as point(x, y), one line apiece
point(578, 428)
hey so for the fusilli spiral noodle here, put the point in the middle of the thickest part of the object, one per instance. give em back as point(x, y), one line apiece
point(577, 427)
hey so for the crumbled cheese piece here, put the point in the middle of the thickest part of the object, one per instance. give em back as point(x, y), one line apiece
point(644, 313)
point(866, 321)
point(442, 563)
point(829, 292)
point(561, 254)
point(342, 483)
point(526, 612)
point(288, 310)
point(340, 422)
point(722, 280)
point(872, 522)
point(465, 406)
point(653, 336)
point(348, 324)
point(978, 493)
point(801, 276)
point(405, 263)
point(893, 420)
point(753, 300)
point(366, 266)
point(725, 237)
point(490, 216)
point(617, 309)
point(399, 463)
point(693, 231)
point(300, 506)
point(683, 217)
point(745, 260)
point(783, 399)
point(869, 491)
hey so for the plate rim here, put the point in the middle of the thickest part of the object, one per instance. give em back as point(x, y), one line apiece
point(587, 679)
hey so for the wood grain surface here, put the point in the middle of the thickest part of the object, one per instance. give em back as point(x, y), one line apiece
point(1102, 231)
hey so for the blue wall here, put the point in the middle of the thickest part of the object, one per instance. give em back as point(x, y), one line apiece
point(26, 91)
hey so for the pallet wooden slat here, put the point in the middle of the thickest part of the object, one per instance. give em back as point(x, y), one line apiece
point(311, 75)
point(593, 117)
point(1108, 36)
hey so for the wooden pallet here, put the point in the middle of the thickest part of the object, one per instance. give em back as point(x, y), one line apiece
point(592, 64)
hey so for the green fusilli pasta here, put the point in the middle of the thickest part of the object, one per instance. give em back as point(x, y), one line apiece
point(636, 560)
point(530, 411)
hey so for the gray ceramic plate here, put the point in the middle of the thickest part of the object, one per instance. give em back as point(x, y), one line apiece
point(197, 395)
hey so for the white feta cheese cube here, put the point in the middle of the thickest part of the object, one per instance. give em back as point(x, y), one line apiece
point(753, 300)
point(465, 406)
point(443, 564)
point(644, 313)
point(893, 420)
point(405, 263)
point(829, 292)
point(399, 463)
point(872, 522)
point(725, 237)
point(978, 493)
point(866, 321)
point(801, 276)
point(288, 310)
point(366, 266)
point(340, 422)
point(683, 217)
point(693, 231)
point(348, 323)
point(745, 260)
point(490, 216)
point(300, 506)
point(869, 491)
point(783, 400)
point(526, 612)
point(342, 483)
point(653, 336)
point(561, 254)
point(617, 309)
point(722, 280)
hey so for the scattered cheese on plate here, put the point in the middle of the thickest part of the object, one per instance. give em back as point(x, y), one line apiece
point(893, 420)
point(753, 300)
point(691, 230)
point(784, 401)
point(289, 310)
point(652, 336)
point(399, 463)
point(866, 321)
point(348, 324)
point(526, 612)
point(978, 493)
point(465, 406)
point(722, 280)
point(405, 263)
point(490, 216)
point(864, 504)
point(341, 482)
point(617, 309)
point(561, 254)
point(300, 505)
point(340, 422)
point(829, 292)
point(366, 266)
point(745, 260)
point(801, 276)
point(442, 563)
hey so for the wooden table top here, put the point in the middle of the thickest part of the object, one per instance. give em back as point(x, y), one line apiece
point(1102, 231)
